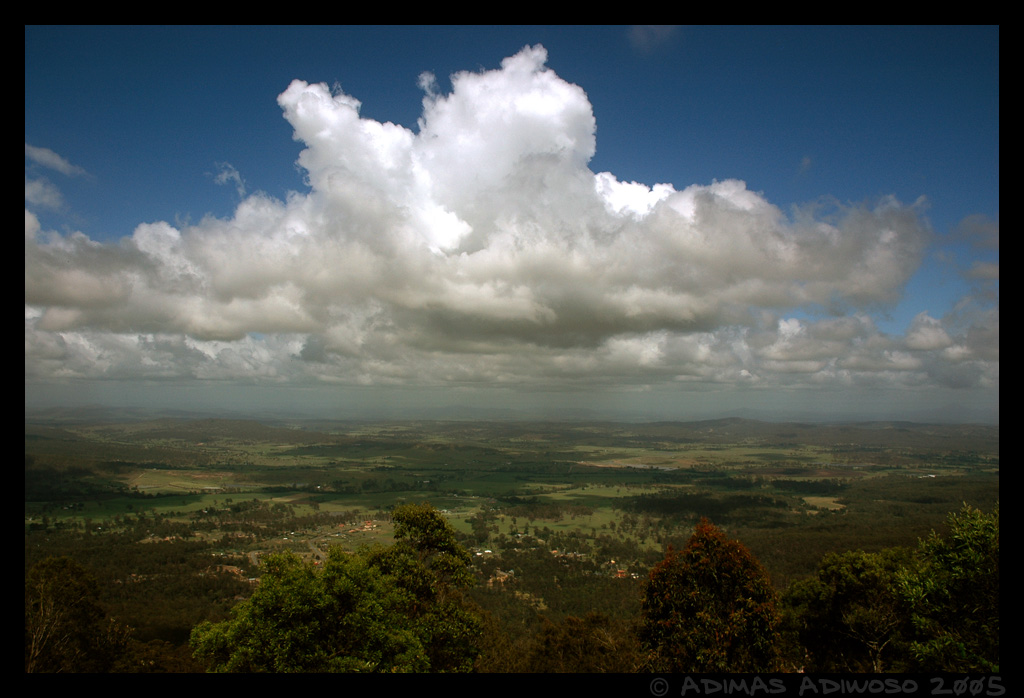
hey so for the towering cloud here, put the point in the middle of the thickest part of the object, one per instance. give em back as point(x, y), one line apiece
point(480, 248)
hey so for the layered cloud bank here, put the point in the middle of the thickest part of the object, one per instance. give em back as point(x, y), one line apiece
point(481, 249)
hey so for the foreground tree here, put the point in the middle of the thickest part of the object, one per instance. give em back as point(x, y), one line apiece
point(589, 645)
point(935, 608)
point(954, 596)
point(346, 617)
point(850, 617)
point(384, 609)
point(710, 608)
point(66, 629)
point(433, 569)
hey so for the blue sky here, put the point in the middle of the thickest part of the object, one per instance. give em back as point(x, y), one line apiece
point(670, 220)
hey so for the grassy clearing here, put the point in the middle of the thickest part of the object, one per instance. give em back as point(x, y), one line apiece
point(829, 503)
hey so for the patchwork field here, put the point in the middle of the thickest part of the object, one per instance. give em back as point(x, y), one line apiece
point(753, 474)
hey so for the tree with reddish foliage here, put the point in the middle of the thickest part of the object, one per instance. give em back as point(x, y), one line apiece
point(710, 607)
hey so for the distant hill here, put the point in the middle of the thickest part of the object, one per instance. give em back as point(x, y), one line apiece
point(119, 425)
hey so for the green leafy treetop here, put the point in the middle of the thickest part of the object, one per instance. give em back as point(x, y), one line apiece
point(709, 608)
point(390, 609)
point(932, 609)
point(954, 594)
point(850, 617)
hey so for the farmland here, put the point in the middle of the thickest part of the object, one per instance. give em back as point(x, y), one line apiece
point(579, 511)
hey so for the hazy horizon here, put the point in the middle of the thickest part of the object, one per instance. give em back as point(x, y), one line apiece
point(373, 406)
point(658, 223)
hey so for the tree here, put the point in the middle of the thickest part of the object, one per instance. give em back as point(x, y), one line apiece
point(954, 596)
point(850, 617)
point(591, 644)
point(347, 617)
point(709, 608)
point(935, 608)
point(383, 609)
point(427, 562)
point(66, 629)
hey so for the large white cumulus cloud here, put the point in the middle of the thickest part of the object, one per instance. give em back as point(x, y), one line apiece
point(480, 248)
